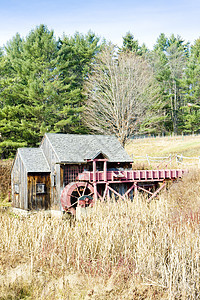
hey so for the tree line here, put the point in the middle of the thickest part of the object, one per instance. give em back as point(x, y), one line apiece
point(80, 84)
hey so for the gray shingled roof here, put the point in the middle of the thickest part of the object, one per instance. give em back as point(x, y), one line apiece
point(77, 148)
point(34, 160)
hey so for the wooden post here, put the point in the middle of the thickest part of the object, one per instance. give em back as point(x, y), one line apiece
point(105, 170)
point(135, 189)
point(95, 192)
point(115, 192)
point(94, 180)
point(148, 159)
point(156, 192)
point(130, 189)
point(136, 192)
point(94, 171)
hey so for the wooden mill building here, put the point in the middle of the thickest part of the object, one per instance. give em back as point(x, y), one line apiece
point(39, 175)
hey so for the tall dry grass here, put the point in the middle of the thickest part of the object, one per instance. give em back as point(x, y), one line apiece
point(123, 250)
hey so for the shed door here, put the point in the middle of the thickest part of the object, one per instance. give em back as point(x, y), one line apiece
point(39, 191)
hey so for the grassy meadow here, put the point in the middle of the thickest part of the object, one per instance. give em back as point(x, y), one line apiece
point(122, 250)
point(163, 146)
point(188, 146)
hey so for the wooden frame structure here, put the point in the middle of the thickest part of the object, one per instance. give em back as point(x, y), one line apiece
point(148, 181)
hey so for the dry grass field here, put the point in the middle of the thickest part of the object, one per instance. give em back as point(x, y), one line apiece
point(162, 146)
point(122, 250)
point(187, 146)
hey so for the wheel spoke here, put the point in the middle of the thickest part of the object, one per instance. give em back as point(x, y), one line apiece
point(90, 194)
point(78, 190)
point(73, 196)
point(84, 189)
point(73, 204)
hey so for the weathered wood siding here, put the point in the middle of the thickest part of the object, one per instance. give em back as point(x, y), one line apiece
point(56, 187)
point(19, 178)
point(37, 200)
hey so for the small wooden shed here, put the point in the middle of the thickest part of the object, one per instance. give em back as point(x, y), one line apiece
point(30, 180)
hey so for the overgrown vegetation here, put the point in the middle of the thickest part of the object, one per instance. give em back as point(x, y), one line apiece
point(122, 250)
point(128, 250)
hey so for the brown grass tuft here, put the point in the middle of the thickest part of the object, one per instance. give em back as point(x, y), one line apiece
point(5, 179)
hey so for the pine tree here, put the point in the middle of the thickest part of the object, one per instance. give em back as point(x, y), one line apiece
point(30, 89)
point(132, 45)
point(191, 108)
point(169, 60)
point(41, 86)
point(75, 58)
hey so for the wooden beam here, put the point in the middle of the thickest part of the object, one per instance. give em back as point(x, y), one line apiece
point(140, 188)
point(99, 196)
point(129, 190)
point(156, 192)
point(115, 192)
point(104, 194)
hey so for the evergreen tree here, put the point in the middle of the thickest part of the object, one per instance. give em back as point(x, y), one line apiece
point(132, 45)
point(191, 108)
point(75, 58)
point(41, 86)
point(29, 89)
point(129, 43)
point(169, 60)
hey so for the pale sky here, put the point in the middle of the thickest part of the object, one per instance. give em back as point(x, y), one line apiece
point(110, 19)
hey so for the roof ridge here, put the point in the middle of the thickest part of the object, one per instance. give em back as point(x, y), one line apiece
point(77, 134)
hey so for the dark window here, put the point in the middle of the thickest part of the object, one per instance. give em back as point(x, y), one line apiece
point(71, 172)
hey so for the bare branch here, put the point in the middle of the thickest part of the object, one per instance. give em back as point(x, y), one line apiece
point(119, 92)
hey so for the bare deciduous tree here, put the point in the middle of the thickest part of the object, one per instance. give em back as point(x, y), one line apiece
point(119, 92)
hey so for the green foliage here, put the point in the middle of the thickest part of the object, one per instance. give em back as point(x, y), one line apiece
point(169, 59)
point(132, 45)
point(191, 84)
point(75, 57)
point(41, 86)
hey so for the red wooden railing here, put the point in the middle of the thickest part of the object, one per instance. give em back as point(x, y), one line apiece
point(131, 175)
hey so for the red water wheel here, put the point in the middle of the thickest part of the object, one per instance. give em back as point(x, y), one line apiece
point(73, 193)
